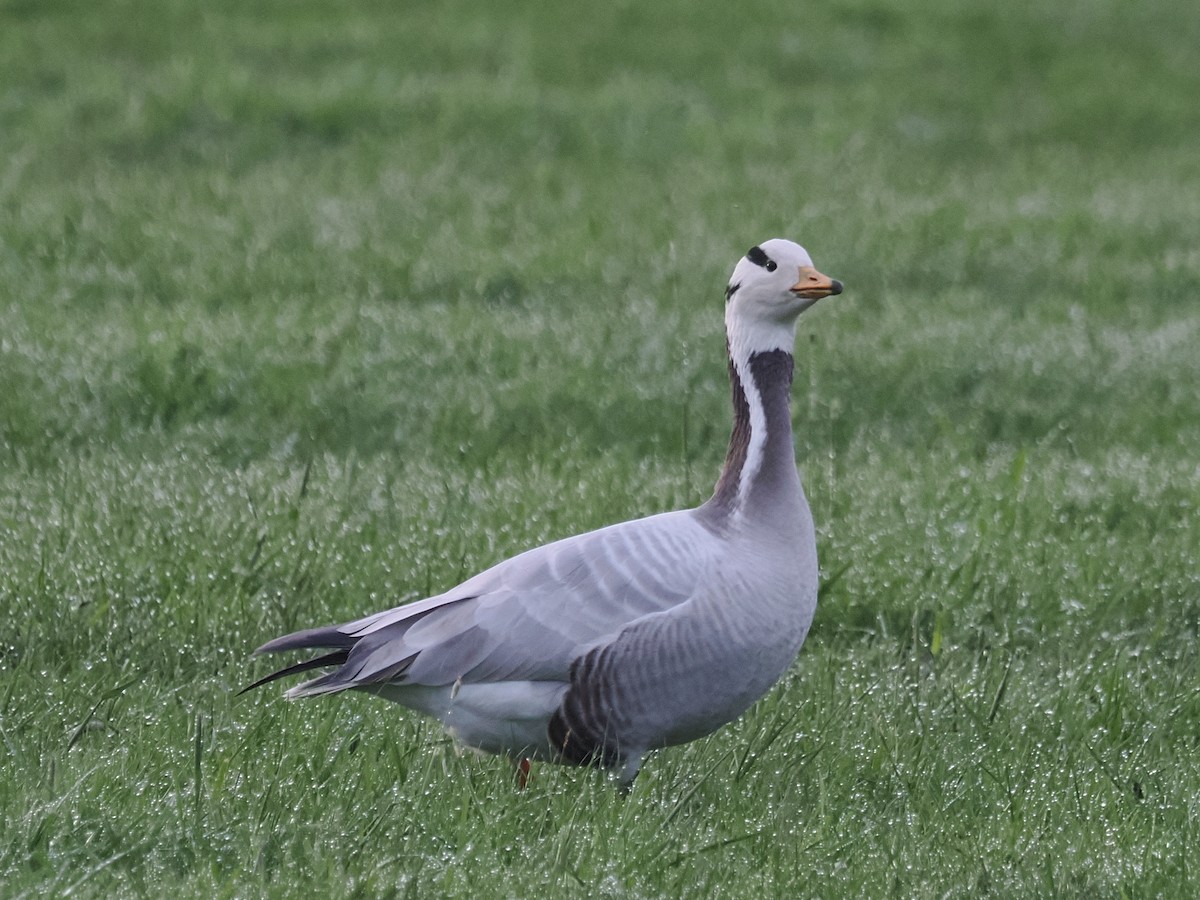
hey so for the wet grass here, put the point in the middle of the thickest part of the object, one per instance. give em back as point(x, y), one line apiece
point(310, 310)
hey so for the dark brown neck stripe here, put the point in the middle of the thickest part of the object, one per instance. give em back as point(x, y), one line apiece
point(725, 494)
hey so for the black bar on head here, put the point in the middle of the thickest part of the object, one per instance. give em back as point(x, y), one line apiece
point(756, 255)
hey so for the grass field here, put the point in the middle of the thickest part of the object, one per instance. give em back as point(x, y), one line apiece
point(313, 308)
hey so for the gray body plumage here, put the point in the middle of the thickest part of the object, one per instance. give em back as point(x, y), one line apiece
point(601, 647)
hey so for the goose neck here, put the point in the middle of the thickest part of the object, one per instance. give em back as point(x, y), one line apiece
point(759, 474)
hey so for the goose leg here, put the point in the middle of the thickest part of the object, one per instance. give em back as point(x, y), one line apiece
point(628, 772)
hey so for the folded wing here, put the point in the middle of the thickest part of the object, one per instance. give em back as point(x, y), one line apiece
point(525, 619)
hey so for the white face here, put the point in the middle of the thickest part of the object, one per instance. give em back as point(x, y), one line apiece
point(776, 281)
point(770, 286)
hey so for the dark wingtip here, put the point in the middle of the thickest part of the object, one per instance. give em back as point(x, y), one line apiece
point(336, 658)
point(328, 636)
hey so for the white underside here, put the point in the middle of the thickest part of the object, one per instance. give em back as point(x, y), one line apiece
point(509, 718)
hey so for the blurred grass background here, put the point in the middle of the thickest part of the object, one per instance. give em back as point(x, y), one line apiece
point(309, 309)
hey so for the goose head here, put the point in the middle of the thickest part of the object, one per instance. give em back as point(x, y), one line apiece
point(770, 286)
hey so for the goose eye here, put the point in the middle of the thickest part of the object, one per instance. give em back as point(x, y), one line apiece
point(771, 266)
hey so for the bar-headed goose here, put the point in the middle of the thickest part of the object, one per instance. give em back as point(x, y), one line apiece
point(601, 647)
